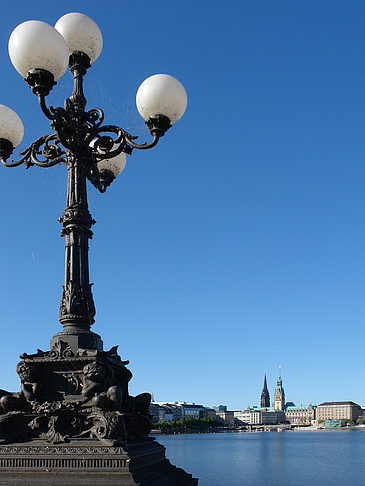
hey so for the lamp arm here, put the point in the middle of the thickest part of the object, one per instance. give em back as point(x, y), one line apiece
point(104, 145)
point(51, 152)
point(144, 146)
point(42, 103)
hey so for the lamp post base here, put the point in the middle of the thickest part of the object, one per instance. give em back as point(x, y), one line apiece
point(78, 463)
point(77, 340)
point(74, 423)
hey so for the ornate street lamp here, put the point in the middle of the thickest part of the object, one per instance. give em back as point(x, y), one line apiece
point(76, 394)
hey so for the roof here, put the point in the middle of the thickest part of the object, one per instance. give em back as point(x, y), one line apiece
point(189, 405)
point(325, 404)
point(292, 408)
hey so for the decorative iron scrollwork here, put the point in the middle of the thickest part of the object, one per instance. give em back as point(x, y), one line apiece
point(52, 153)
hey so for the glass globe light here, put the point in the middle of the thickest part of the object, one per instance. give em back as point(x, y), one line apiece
point(11, 126)
point(35, 44)
point(81, 33)
point(161, 94)
point(115, 165)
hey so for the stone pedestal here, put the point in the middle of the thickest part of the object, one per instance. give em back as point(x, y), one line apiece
point(78, 463)
point(75, 423)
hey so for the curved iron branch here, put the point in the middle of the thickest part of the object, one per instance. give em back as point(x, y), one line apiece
point(142, 146)
point(44, 108)
point(104, 146)
point(51, 152)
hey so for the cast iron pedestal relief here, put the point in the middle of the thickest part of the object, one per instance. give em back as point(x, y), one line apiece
point(66, 395)
point(73, 420)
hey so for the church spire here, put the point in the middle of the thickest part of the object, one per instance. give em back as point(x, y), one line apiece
point(265, 397)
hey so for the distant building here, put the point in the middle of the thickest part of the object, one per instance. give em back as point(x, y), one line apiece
point(259, 416)
point(293, 414)
point(242, 417)
point(220, 408)
point(209, 412)
point(273, 417)
point(279, 395)
point(191, 410)
point(226, 416)
point(161, 412)
point(339, 410)
point(299, 414)
point(334, 423)
point(265, 396)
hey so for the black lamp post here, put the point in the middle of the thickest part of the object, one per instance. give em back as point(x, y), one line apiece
point(75, 396)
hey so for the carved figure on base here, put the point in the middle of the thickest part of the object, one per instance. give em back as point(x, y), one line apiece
point(98, 387)
point(29, 390)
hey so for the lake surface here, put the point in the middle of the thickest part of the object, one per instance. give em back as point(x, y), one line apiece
point(291, 458)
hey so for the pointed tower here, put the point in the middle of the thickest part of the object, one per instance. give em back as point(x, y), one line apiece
point(265, 397)
point(279, 395)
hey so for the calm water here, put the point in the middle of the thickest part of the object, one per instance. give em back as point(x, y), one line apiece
point(293, 458)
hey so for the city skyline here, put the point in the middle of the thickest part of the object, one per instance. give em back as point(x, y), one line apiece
point(258, 403)
point(237, 244)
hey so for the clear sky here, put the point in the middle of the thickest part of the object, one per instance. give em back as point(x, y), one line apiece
point(238, 243)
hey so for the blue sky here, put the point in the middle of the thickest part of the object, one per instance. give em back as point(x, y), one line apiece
point(238, 243)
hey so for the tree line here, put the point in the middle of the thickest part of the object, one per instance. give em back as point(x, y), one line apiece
point(188, 423)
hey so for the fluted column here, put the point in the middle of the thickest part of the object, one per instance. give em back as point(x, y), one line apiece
point(77, 309)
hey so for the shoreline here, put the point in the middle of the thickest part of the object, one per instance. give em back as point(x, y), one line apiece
point(254, 429)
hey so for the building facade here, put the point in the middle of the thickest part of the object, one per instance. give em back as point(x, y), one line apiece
point(300, 415)
point(338, 410)
point(220, 408)
point(258, 416)
point(226, 416)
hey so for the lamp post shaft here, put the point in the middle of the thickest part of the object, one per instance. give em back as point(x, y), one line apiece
point(77, 309)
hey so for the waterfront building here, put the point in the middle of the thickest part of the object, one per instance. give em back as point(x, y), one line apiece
point(339, 410)
point(191, 410)
point(265, 396)
point(209, 412)
point(299, 414)
point(272, 417)
point(279, 395)
point(334, 423)
point(242, 417)
point(226, 416)
point(259, 416)
point(175, 410)
point(160, 413)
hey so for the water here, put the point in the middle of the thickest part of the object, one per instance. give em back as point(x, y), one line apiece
point(292, 458)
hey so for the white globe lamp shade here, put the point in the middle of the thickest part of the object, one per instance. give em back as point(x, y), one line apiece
point(11, 126)
point(81, 33)
point(161, 94)
point(35, 44)
point(115, 165)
